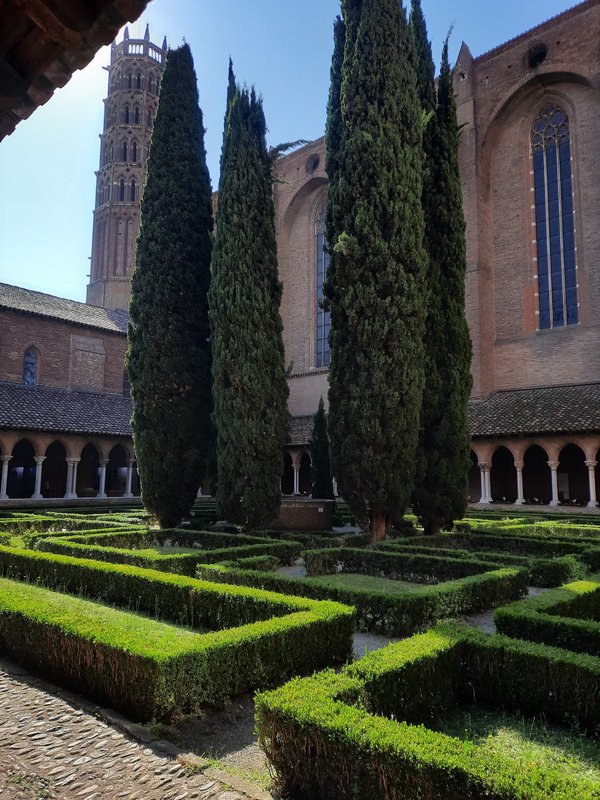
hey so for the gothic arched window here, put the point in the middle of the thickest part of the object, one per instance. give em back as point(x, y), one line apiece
point(132, 190)
point(129, 81)
point(554, 219)
point(122, 189)
point(151, 84)
point(107, 191)
point(134, 152)
point(138, 81)
point(136, 116)
point(323, 322)
point(126, 115)
point(149, 118)
point(30, 366)
point(124, 151)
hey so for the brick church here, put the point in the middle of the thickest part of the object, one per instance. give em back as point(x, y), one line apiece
point(530, 169)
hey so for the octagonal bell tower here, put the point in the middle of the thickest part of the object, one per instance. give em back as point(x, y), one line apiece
point(134, 75)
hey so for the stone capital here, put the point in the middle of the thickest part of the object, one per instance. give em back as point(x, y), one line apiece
point(590, 464)
point(518, 464)
point(553, 465)
point(5, 459)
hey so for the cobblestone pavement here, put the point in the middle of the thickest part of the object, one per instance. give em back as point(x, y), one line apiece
point(53, 746)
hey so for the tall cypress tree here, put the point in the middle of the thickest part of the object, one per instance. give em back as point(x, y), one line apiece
point(250, 386)
point(168, 356)
point(321, 480)
point(440, 494)
point(375, 290)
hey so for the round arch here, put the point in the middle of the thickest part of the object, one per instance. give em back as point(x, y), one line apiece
point(116, 471)
point(304, 474)
point(88, 472)
point(287, 479)
point(572, 476)
point(21, 471)
point(503, 476)
point(537, 484)
point(54, 471)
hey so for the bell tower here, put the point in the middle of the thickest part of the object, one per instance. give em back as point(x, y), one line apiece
point(134, 74)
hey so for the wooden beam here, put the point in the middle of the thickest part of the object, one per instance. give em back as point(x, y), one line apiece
point(60, 20)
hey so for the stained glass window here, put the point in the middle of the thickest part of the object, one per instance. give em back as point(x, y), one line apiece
point(323, 321)
point(554, 219)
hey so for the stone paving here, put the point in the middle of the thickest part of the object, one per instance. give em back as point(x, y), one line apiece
point(53, 746)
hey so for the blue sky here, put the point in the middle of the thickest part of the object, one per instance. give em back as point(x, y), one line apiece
point(281, 47)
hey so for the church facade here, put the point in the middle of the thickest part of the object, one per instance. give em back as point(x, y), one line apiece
point(530, 171)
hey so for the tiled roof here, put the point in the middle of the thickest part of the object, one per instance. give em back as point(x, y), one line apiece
point(47, 305)
point(41, 408)
point(550, 409)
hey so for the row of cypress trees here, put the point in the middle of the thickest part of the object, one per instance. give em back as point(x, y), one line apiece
point(193, 348)
point(400, 347)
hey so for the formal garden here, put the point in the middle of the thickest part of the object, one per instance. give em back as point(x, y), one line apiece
point(166, 625)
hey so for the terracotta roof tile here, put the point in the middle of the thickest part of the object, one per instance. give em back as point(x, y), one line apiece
point(47, 305)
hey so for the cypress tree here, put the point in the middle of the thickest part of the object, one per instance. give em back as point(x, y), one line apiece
point(168, 357)
point(321, 481)
point(440, 494)
point(249, 379)
point(375, 290)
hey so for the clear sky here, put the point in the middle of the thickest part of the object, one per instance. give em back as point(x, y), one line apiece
point(281, 47)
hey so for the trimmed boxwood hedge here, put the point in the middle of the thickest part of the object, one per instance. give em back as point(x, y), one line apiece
point(245, 638)
point(331, 736)
point(127, 548)
point(395, 614)
point(543, 572)
point(568, 617)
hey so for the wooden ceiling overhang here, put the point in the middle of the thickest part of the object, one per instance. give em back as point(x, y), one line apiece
point(42, 42)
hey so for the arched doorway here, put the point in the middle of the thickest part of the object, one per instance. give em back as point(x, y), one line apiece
point(537, 484)
point(304, 475)
point(88, 472)
point(287, 479)
point(54, 471)
point(503, 476)
point(116, 472)
point(474, 479)
point(21, 470)
point(572, 476)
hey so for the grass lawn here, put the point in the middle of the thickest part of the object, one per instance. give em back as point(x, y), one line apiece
point(531, 744)
point(350, 580)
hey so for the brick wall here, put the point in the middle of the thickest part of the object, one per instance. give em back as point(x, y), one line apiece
point(70, 355)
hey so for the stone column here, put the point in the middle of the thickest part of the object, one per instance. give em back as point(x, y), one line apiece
point(553, 470)
point(37, 492)
point(4, 481)
point(199, 492)
point(591, 465)
point(335, 487)
point(296, 478)
point(71, 493)
point(102, 487)
point(130, 463)
point(520, 499)
point(484, 470)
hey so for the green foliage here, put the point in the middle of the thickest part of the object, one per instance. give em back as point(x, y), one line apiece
point(137, 548)
point(149, 669)
point(321, 480)
point(376, 277)
point(168, 357)
point(568, 617)
point(440, 492)
point(5, 539)
point(361, 733)
point(249, 381)
point(395, 614)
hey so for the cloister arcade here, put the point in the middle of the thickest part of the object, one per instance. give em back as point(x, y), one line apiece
point(535, 471)
point(43, 466)
point(296, 477)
